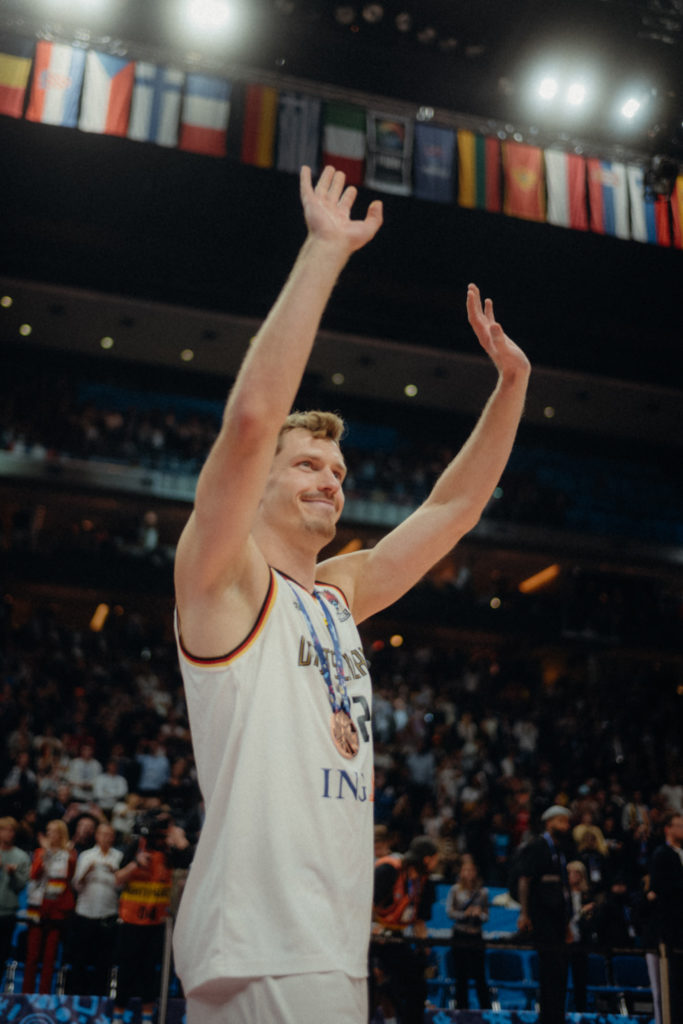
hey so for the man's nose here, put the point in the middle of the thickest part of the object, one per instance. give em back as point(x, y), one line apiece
point(330, 481)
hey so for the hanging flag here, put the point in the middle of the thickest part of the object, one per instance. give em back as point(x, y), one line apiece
point(434, 162)
point(344, 138)
point(479, 172)
point(523, 181)
point(56, 86)
point(155, 110)
point(107, 93)
point(389, 153)
point(205, 114)
point(608, 198)
point(677, 212)
point(16, 56)
point(298, 132)
point(649, 216)
point(258, 133)
point(565, 177)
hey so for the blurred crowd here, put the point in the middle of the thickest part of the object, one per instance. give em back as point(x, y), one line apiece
point(608, 494)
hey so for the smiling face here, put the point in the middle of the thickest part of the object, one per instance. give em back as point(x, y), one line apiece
point(304, 487)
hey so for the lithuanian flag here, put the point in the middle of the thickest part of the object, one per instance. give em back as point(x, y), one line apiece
point(478, 172)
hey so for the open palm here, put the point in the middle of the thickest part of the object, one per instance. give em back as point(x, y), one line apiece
point(327, 209)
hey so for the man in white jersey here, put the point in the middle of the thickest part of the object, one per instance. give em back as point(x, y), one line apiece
point(274, 922)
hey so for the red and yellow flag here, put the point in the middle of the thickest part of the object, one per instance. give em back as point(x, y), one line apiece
point(523, 181)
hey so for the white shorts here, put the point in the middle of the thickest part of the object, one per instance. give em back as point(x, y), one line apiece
point(329, 998)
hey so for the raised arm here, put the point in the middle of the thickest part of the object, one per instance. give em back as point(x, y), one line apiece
point(215, 552)
point(376, 578)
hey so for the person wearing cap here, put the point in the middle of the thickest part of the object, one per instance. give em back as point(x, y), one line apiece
point(546, 910)
point(403, 898)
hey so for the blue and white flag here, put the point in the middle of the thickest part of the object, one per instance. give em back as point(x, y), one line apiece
point(155, 112)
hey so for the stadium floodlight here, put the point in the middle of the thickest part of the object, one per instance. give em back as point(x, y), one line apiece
point(576, 94)
point(209, 15)
point(630, 108)
point(547, 88)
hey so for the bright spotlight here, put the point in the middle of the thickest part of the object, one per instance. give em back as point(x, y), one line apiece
point(631, 108)
point(576, 94)
point(547, 88)
point(209, 15)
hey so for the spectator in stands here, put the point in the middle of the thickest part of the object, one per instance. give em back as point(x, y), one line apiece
point(145, 876)
point(638, 849)
point(592, 851)
point(543, 889)
point(666, 892)
point(181, 793)
point(581, 927)
point(20, 787)
point(93, 934)
point(155, 769)
point(403, 898)
point(635, 812)
point(616, 918)
point(14, 870)
point(82, 773)
point(672, 791)
point(467, 904)
point(51, 902)
point(500, 848)
point(83, 837)
point(109, 787)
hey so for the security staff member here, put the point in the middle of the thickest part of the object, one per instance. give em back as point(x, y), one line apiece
point(544, 897)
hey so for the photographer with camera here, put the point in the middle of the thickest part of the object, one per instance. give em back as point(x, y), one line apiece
point(145, 877)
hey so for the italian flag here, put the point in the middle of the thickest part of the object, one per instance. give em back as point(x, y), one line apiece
point(344, 138)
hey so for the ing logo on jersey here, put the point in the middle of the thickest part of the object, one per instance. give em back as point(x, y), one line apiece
point(341, 611)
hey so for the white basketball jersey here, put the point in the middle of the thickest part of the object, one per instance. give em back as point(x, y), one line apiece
point(281, 881)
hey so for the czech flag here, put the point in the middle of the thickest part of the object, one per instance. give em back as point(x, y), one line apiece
point(107, 93)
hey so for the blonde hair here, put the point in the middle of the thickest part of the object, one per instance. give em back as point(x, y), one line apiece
point(580, 867)
point(326, 425)
point(9, 823)
point(63, 831)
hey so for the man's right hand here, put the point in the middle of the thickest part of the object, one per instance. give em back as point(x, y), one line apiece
point(327, 210)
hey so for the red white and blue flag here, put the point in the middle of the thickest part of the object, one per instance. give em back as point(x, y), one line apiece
point(649, 216)
point(155, 111)
point(205, 115)
point(565, 179)
point(107, 94)
point(608, 197)
point(56, 87)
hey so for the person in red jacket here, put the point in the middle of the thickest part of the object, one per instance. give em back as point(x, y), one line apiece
point(51, 903)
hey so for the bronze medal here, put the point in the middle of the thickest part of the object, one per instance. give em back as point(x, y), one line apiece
point(344, 734)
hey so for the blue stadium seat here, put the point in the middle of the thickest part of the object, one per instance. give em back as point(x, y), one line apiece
point(630, 976)
point(508, 973)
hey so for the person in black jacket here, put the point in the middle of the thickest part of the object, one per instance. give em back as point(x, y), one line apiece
point(666, 888)
point(543, 890)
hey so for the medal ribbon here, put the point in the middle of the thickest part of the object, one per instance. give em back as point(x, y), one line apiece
point(344, 704)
